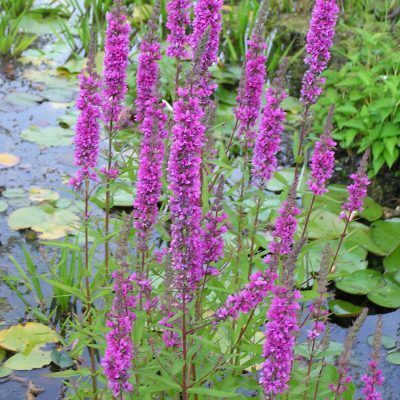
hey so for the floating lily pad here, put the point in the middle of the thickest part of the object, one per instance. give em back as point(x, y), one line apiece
point(50, 222)
point(372, 210)
point(362, 235)
point(119, 199)
point(20, 338)
point(4, 371)
point(23, 99)
point(343, 308)
point(324, 224)
point(281, 179)
point(8, 160)
point(386, 294)
point(61, 359)
point(387, 341)
point(14, 193)
point(3, 206)
point(50, 136)
point(38, 194)
point(67, 120)
point(33, 358)
point(394, 357)
point(386, 234)
point(359, 282)
point(392, 261)
point(60, 95)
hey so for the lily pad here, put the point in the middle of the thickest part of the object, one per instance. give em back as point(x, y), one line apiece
point(386, 294)
point(386, 234)
point(4, 371)
point(372, 210)
point(392, 261)
point(281, 180)
point(387, 341)
point(61, 359)
point(20, 338)
point(324, 224)
point(14, 193)
point(33, 358)
point(23, 99)
point(394, 357)
point(343, 308)
point(50, 222)
point(39, 195)
point(361, 234)
point(359, 282)
point(8, 160)
point(3, 206)
point(51, 136)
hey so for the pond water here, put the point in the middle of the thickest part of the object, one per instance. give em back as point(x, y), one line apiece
point(45, 167)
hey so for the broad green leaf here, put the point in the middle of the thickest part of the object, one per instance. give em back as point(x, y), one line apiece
point(359, 282)
point(343, 308)
point(50, 136)
point(386, 294)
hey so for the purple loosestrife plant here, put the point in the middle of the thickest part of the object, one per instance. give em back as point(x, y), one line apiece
point(344, 379)
point(373, 378)
point(184, 183)
point(152, 126)
point(178, 20)
point(207, 25)
point(358, 189)
point(87, 129)
point(116, 51)
point(254, 72)
point(281, 329)
point(323, 159)
point(285, 225)
point(269, 135)
point(319, 42)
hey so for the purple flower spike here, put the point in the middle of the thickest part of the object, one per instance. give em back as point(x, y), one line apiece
point(285, 226)
point(178, 20)
point(280, 333)
point(358, 189)
point(319, 42)
point(323, 160)
point(116, 51)
point(184, 182)
point(87, 129)
point(269, 136)
point(119, 352)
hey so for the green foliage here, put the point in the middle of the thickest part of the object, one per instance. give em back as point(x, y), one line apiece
point(365, 91)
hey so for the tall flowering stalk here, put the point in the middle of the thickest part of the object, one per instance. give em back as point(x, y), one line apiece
point(269, 135)
point(280, 330)
point(373, 378)
point(119, 352)
point(87, 129)
point(254, 72)
point(116, 51)
point(319, 42)
point(323, 159)
point(344, 379)
point(322, 165)
point(178, 20)
point(87, 138)
point(152, 125)
point(207, 22)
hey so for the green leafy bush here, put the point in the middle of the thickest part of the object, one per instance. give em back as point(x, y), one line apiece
point(366, 92)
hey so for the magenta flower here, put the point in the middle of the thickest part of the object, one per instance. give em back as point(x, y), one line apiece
point(323, 160)
point(285, 226)
point(184, 183)
point(280, 339)
point(118, 357)
point(269, 136)
point(207, 20)
point(147, 75)
point(250, 91)
point(87, 129)
point(248, 298)
point(178, 20)
point(319, 42)
point(358, 189)
point(371, 380)
point(116, 51)
point(152, 125)
point(171, 339)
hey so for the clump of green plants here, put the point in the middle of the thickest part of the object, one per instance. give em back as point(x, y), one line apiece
point(197, 292)
point(366, 89)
